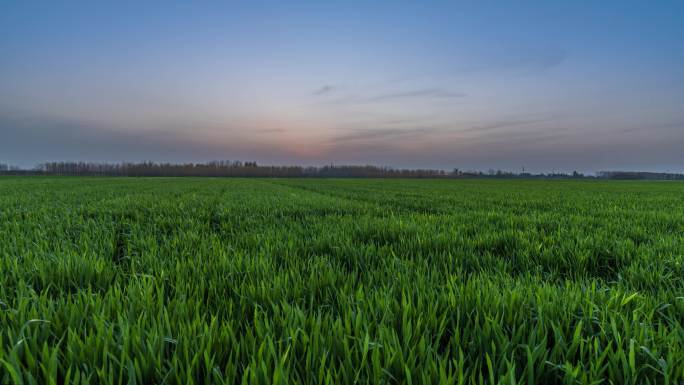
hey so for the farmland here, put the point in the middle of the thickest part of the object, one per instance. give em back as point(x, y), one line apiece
point(325, 281)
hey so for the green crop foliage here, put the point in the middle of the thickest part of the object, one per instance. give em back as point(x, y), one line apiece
point(322, 281)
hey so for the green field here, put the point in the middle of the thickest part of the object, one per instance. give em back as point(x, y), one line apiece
point(316, 281)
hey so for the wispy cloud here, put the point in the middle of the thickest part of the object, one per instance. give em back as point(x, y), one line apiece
point(363, 135)
point(492, 126)
point(326, 89)
point(678, 125)
point(396, 96)
point(269, 130)
point(435, 93)
point(537, 60)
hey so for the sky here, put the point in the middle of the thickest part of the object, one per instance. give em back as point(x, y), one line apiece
point(544, 85)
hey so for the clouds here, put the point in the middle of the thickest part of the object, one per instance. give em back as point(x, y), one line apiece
point(500, 124)
point(428, 93)
point(28, 139)
point(675, 126)
point(538, 143)
point(34, 138)
point(515, 59)
point(362, 136)
point(323, 90)
point(329, 94)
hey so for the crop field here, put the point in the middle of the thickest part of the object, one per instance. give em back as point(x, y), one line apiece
point(323, 281)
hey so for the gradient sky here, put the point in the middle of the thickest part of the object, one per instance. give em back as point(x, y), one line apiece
point(542, 85)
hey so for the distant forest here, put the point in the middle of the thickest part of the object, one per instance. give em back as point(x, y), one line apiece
point(252, 169)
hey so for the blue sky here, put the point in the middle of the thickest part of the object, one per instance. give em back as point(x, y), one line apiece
point(475, 85)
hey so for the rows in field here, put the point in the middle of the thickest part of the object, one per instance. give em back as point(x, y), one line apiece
point(642, 249)
point(287, 221)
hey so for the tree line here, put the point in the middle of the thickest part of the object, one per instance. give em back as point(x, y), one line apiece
point(249, 169)
point(229, 169)
point(630, 175)
point(252, 169)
